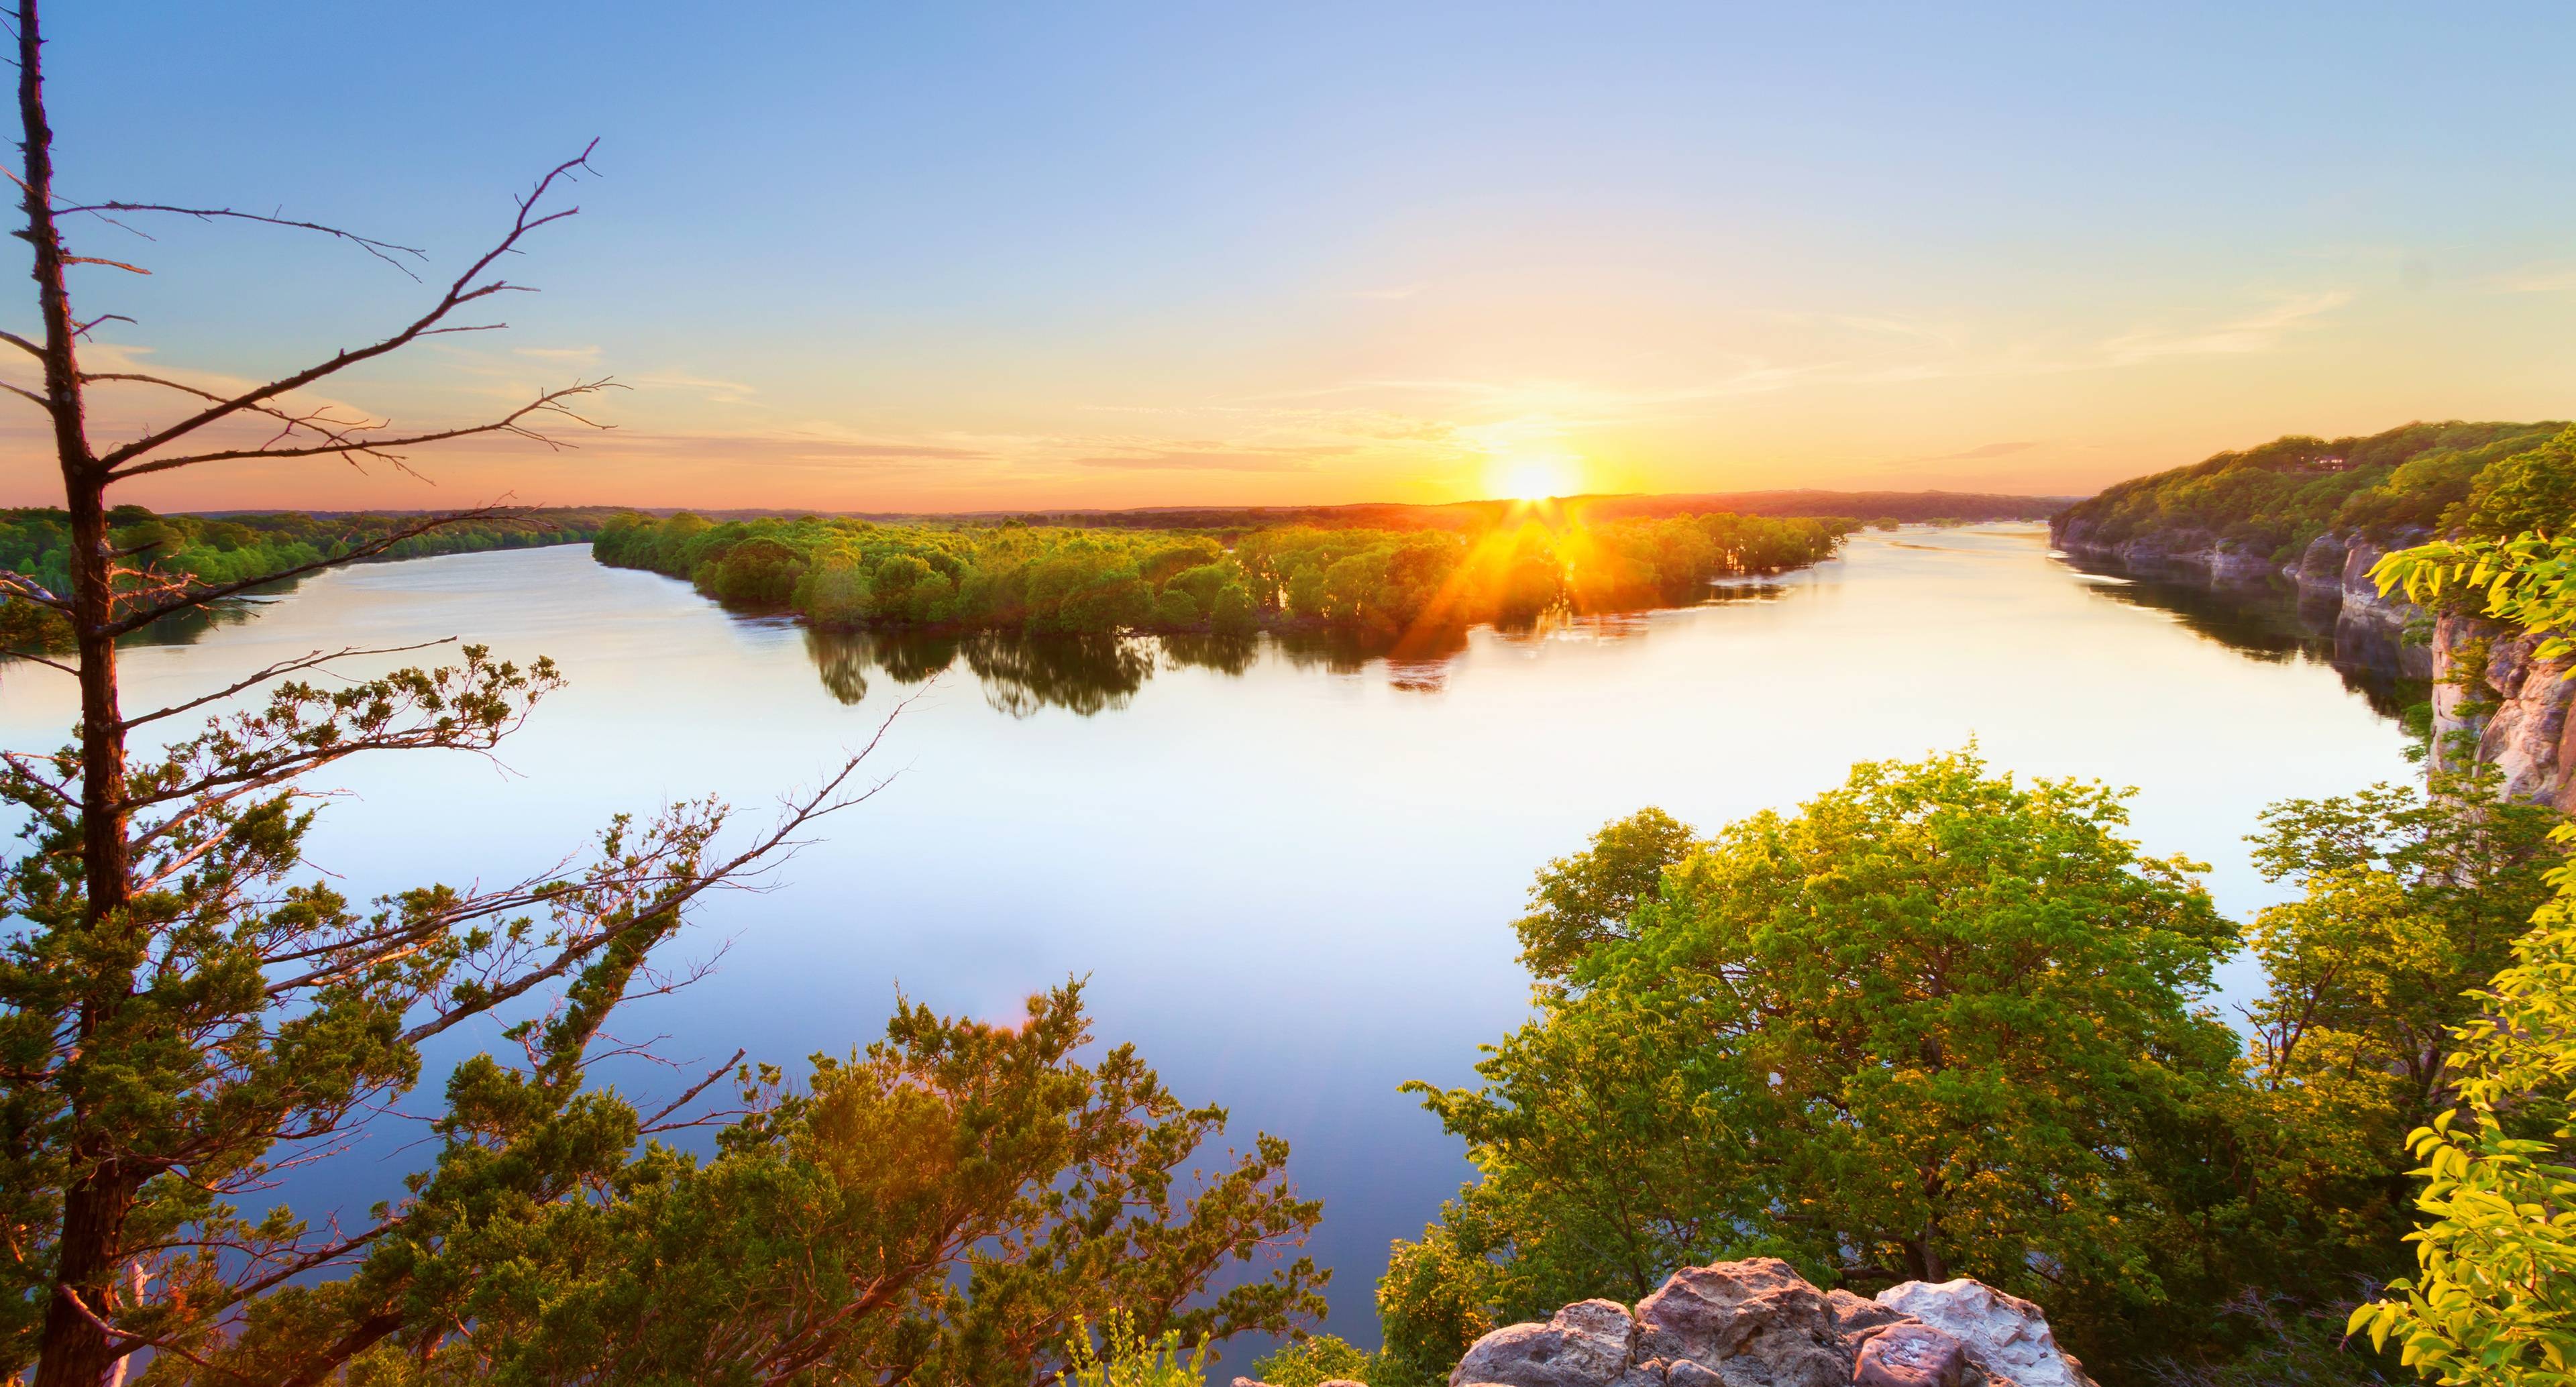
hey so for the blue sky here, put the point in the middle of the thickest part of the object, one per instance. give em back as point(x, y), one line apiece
point(860, 256)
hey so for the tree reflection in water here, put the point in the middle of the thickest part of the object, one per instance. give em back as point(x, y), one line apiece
point(2278, 622)
point(1022, 672)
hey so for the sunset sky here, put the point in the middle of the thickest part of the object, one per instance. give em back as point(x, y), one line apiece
point(969, 257)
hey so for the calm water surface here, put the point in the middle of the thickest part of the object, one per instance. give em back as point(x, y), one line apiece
point(1287, 873)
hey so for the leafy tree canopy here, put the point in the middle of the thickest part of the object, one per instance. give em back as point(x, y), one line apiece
point(1937, 1023)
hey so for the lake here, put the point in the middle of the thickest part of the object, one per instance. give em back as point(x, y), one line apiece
point(1288, 869)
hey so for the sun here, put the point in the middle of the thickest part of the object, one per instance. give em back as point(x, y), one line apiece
point(1533, 476)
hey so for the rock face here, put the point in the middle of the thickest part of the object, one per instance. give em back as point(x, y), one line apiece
point(2514, 712)
point(1757, 1323)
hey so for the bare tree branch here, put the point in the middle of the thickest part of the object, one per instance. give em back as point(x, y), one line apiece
point(111, 264)
point(463, 291)
point(16, 584)
point(382, 250)
point(49, 663)
point(650, 1124)
point(282, 667)
point(380, 448)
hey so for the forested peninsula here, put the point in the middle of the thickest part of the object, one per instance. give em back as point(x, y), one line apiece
point(847, 572)
point(2264, 509)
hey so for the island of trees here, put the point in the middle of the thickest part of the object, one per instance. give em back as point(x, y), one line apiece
point(842, 571)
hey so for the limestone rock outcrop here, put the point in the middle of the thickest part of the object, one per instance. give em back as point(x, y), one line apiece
point(2512, 707)
point(1757, 1323)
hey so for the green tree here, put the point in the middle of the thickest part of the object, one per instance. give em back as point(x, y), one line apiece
point(1232, 611)
point(1174, 608)
point(1588, 899)
point(2530, 491)
point(2408, 902)
point(2493, 1297)
point(951, 1207)
point(1322, 1358)
point(1938, 1023)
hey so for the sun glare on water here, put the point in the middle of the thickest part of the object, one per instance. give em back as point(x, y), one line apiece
point(1528, 478)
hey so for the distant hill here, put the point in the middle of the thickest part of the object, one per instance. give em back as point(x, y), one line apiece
point(1471, 515)
point(1865, 505)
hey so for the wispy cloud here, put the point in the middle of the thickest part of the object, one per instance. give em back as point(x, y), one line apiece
point(2535, 279)
point(714, 392)
point(2254, 332)
point(1211, 458)
point(1983, 451)
point(583, 354)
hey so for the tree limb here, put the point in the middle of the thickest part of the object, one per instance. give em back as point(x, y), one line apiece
point(549, 403)
point(463, 291)
point(379, 249)
point(316, 659)
point(648, 1125)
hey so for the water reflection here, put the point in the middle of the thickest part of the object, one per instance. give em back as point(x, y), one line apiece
point(1024, 672)
point(2276, 621)
point(1020, 673)
point(1288, 873)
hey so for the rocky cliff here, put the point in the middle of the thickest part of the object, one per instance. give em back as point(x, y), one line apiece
point(2495, 703)
point(1757, 1323)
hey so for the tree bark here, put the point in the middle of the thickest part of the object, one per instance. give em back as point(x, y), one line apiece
point(76, 1352)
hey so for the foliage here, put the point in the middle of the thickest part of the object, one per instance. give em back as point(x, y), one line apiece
point(2529, 491)
point(1127, 1360)
point(2493, 1297)
point(1938, 1023)
point(846, 572)
point(2408, 902)
point(1588, 899)
point(2288, 1344)
point(1310, 1360)
point(2274, 498)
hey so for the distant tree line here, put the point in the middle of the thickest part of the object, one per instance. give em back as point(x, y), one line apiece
point(847, 572)
point(2480, 480)
point(221, 550)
